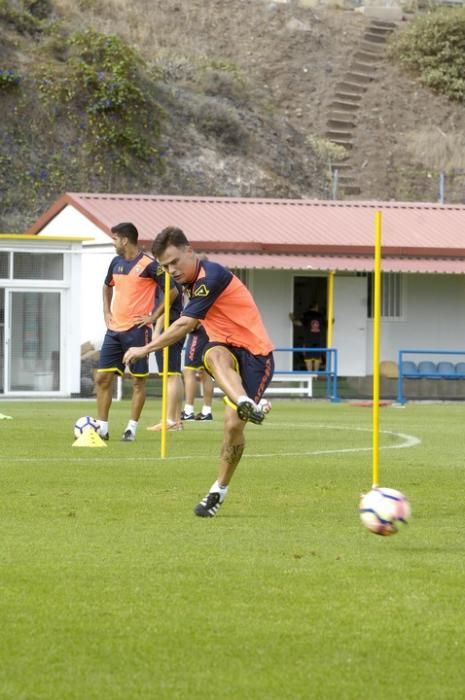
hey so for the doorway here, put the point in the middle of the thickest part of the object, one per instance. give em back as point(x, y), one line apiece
point(2, 339)
point(307, 291)
point(31, 340)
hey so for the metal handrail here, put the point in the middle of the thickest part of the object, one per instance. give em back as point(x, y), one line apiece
point(330, 370)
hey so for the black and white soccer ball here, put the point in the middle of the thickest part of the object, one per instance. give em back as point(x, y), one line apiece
point(83, 424)
point(383, 511)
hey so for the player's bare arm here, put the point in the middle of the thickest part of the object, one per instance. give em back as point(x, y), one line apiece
point(107, 296)
point(175, 332)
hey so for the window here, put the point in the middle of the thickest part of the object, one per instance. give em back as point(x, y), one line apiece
point(34, 349)
point(38, 266)
point(2, 336)
point(4, 259)
point(391, 295)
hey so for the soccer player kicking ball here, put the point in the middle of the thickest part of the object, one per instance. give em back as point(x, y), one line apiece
point(238, 355)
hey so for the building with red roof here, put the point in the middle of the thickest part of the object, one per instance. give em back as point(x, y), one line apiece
point(285, 251)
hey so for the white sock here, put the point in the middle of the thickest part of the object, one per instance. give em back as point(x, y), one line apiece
point(247, 398)
point(244, 398)
point(222, 490)
point(188, 408)
point(132, 426)
point(103, 427)
point(206, 410)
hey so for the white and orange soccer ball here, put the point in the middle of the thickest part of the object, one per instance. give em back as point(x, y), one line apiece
point(384, 510)
point(83, 424)
point(265, 405)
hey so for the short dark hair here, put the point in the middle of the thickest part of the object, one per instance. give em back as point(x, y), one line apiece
point(126, 230)
point(171, 235)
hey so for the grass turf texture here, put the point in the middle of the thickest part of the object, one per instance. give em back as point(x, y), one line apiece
point(111, 588)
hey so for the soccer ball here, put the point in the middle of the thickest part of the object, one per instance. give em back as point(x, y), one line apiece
point(83, 424)
point(382, 510)
point(265, 405)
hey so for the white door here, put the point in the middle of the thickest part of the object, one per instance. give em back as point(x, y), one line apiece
point(350, 325)
point(33, 341)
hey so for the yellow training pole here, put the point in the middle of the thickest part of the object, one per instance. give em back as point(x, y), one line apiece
point(376, 345)
point(330, 311)
point(164, 394)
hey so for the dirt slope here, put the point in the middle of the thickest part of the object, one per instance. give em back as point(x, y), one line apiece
point(288, 62)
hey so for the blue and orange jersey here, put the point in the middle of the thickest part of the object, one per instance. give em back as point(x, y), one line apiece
point(135, 282)
point(226, 309)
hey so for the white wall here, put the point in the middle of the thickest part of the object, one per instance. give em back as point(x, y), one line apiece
point(350, 324)
point(273, 293)
point(96, 258)
point(71, 358)
point(70, 222)
point(94, 269)
point(434, 318)
point(433, 315)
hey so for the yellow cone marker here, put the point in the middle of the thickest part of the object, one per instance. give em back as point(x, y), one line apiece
point(89, 438)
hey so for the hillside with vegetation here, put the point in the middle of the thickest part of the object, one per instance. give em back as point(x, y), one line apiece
point(218, 98)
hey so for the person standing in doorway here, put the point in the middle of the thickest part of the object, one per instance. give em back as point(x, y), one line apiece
point(128, 309)
point(313, 326)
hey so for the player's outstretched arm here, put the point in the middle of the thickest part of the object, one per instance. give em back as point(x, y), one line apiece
point(176, 331)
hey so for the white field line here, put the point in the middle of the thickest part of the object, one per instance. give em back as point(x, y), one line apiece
point(407, 442)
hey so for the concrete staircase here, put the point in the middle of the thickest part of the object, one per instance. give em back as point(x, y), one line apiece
point(343, 110)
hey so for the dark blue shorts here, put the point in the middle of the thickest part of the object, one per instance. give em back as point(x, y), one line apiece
point(193, 353)
point(256, 371)
point(309, 354)
point(174, 358)
point(115, 345)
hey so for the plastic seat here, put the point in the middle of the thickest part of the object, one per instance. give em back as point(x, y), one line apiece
point(409, 368)
point(446, 368)
point(388, 369)
point(460, 368)
point(426, 367)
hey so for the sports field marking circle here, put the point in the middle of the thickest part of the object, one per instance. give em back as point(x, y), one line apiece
point(406, 441)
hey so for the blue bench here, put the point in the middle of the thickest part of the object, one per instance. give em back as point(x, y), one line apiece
point(430, 370)
point(298, 384)
point(426, 369)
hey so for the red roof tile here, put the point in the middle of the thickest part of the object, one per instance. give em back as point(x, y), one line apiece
point(341, 263)
point(294, 227)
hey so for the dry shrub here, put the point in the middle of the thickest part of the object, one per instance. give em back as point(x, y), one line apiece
point(436, 149)
point(217, 82)
point(220, 121)
point(327, 151)
point(151, 26)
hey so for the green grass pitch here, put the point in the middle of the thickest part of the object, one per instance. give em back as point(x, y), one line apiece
point(112, 589)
